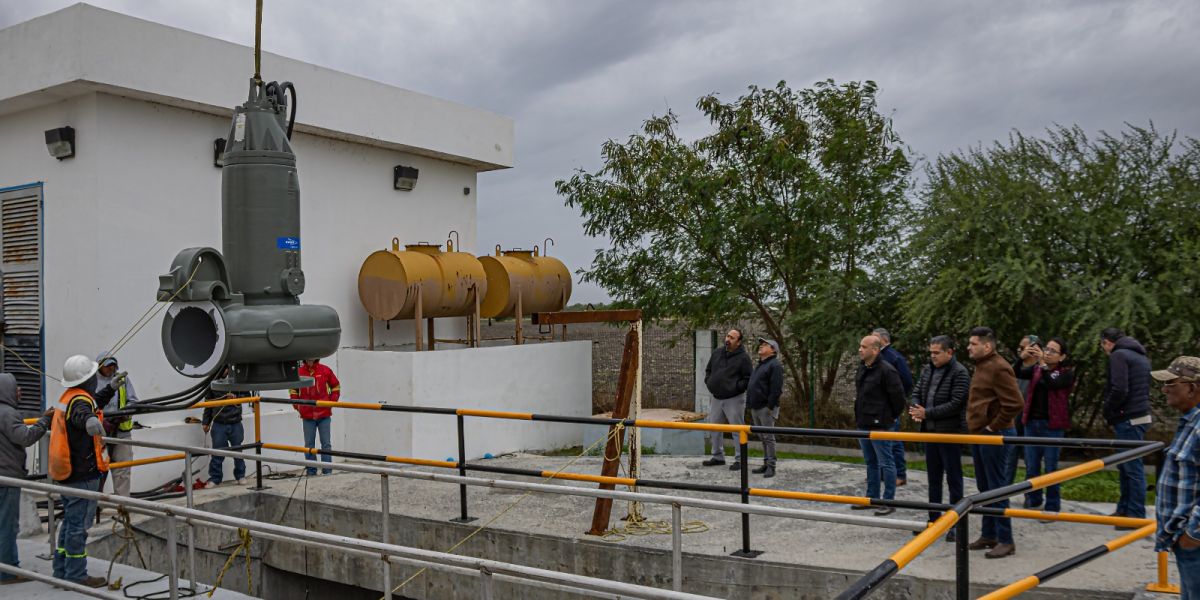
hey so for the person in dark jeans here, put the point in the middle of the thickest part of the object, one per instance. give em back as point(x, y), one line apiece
point(1029, 352)
point(893, 356)
point(1047, 415)
point(939, 404)
point(762, 398)
point(993, 402)
point(878, 402)
point(15, 437)
point(224, 424)
point(1127, 410)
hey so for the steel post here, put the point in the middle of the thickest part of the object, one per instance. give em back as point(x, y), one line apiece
point(173, 559)
point(50, 525)
point(676, 547)
point(191, 527)
point(258, 485)
point(962, 559)
point(463, 517)
point(385, 509)
point(745, 552)
point(486, 590)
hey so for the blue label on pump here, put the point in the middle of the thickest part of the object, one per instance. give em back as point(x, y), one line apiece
point(287, 243)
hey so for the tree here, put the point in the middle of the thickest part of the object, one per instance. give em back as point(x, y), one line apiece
point(1063, 236)
point(785, 213)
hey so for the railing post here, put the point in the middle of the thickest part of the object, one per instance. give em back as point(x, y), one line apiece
point(676, 547)
point(463, 517)
point(173, 558)
point(191, 527)
point(385, 507)
point(962, 559)
point(258, 485)
point(50, 525)
point(745, 552)
point(486, 591)
point(1163, 585)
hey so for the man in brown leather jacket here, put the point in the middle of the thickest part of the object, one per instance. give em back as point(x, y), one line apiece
point(993, 402)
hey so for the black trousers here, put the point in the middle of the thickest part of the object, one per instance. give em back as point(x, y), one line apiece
point(944, 460)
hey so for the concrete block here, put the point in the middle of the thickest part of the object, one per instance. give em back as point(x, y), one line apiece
point(658, 441)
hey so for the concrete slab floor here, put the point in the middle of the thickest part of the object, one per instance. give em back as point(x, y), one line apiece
point(787, 541)
point(30, 548)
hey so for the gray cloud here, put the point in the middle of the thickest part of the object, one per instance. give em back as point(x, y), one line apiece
point(573, 74)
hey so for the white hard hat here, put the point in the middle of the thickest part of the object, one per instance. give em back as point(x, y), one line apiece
point(77, 370)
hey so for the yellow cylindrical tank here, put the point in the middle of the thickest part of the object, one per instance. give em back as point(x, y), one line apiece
point(389, 282)
point(542, 283)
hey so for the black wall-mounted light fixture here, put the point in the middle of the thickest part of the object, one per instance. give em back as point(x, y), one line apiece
point(61, 142)
point(219, 152)
point(404, 178)
point(466, 191)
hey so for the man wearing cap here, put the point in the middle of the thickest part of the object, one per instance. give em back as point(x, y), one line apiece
point(118, 427)
point(1177, 506)
point(762, 398)
point(878, 402)
point(726, 377)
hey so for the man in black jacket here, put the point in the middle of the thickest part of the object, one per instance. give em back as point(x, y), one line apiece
point(939, 404)
point(726, 377)
point(762, 397)
point(878, 402)
point(1127, 410)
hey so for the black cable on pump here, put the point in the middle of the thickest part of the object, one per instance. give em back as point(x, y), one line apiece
point(287, 85)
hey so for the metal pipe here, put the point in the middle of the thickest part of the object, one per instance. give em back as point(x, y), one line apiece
point(385, 511)
point(258, 486)
point(173, 558)
point(463, 517)
point(676, 547)
point(51, 524)
point(774, 511)
point(319, 539)
point(61, 584)
point(191, 527)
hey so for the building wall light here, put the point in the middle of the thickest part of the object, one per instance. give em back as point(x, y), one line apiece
point(404, 178)
point(61, 142)
point(219, 152)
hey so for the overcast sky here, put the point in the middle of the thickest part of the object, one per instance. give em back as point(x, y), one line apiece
point(573, 73)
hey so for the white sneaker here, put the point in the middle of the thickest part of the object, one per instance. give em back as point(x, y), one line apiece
point(241, 481)
point(209, 484)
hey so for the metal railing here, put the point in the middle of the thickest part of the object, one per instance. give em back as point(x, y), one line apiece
point(952, 514)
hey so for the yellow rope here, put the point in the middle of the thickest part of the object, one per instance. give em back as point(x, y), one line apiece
point(151, 312)
point(603, 439)
point(244, 535)
point(128, 535)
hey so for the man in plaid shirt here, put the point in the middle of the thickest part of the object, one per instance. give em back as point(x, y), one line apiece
point(1178, 503)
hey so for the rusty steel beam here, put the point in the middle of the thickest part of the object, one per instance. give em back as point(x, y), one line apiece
point(627, 315)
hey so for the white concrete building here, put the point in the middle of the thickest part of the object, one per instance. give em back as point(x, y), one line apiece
point(85, 238)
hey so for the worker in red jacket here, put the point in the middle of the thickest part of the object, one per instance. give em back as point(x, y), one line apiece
point(316, 419)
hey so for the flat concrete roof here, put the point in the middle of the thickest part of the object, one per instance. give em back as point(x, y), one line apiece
point(83, 49)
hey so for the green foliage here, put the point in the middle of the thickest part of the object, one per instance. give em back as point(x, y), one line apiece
point(786, 212)
point(1062, 236)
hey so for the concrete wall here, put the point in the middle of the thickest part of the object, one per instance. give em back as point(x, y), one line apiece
point(142, 187)
point(543, 378)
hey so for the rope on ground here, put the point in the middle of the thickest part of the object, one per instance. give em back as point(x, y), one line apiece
point(244, 546)
point(603, 439)
point(636, 524)
point(129, 538)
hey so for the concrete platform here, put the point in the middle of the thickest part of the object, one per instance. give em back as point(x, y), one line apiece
point(801, 558)
point(29, 548)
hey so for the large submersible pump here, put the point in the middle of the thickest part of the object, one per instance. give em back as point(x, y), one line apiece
point(241, 306)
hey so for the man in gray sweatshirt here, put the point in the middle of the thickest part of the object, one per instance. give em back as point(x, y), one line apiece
point(15, 437)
